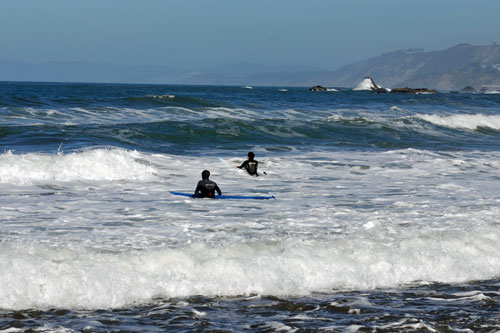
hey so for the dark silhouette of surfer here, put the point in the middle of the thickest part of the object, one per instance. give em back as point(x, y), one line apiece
point(206, 188)
point(250, 165)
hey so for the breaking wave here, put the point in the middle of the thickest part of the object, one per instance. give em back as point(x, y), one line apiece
point(463, 121)
point(94, 165)
point(38, 276)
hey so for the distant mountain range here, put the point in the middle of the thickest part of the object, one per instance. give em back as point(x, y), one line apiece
point(70, 71)
point(451, 69)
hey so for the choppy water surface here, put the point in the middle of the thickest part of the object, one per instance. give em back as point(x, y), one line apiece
point(386, 217)
point(436, 308)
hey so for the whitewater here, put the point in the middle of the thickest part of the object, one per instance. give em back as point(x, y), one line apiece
point(371, 222)
point(386, 210)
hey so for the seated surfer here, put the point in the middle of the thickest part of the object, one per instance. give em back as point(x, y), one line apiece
point(250, 165)
point(206, 188)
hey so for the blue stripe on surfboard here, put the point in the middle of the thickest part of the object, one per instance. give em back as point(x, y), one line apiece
point(228, 196)
point(243, 197)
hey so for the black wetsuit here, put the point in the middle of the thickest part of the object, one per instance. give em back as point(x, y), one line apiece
point(206, 189)
point(250, 166)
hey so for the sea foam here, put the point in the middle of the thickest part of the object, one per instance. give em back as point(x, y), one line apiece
point(463, 121)
point(86, 278)
point(341, 220)
point(96, 164)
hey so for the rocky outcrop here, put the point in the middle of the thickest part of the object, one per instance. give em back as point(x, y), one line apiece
point(318, 88)
point(381, 90)
point(407, 90)
point(468, 89)
point(369, 84)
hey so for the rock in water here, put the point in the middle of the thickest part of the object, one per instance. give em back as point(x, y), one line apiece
point(369, 84)
point(413, 90)
point(318, 88)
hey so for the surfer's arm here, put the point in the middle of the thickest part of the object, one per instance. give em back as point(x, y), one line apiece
point(197, 191)
point(218, 189)
point(242, 165)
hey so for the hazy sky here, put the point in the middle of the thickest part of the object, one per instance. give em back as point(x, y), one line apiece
point(193, 34)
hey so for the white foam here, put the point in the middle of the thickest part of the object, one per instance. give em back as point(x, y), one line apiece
point(465, 121)
point(367, 84)
point(111, 115)
point(85, 278)
point(97, 164)
point(230, 113)
point(162, 96)
point(80, 115)
point(342, 220)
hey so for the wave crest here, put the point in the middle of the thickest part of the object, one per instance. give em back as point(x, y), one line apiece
point(96, 164)
point(463, 121)
point(37, 276)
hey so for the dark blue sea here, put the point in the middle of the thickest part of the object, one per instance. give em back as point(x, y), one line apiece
point(386, 217)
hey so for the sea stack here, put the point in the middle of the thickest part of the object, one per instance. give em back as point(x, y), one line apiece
point(369, 84)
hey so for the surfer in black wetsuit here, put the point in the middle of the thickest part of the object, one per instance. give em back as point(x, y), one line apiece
point(250, 165)
point(206, 188)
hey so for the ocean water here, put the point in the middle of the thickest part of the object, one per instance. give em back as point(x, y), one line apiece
point(386, 215)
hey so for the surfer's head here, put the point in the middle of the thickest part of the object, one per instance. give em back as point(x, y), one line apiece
point(205, 174)
point(251, 155)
